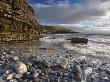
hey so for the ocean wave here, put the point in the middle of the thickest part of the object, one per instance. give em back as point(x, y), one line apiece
point(90, 50)
point(52, 39)
point(99, 39)
point(80, 49)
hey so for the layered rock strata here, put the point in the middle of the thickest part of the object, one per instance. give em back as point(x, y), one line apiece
point(17, 21)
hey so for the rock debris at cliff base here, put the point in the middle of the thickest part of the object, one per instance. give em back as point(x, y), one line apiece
point(43, 68)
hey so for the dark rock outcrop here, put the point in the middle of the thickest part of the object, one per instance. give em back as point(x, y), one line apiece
point(17, 21)
point(78, 40)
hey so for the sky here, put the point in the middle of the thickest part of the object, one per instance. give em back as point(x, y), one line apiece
point(74, 14)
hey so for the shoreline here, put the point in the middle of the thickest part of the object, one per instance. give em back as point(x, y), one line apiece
point(50, 62)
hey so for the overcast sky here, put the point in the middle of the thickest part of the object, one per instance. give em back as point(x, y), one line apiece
point(81, 14)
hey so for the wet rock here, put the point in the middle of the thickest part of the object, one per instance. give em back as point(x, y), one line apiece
point(59, 74)
point(37, 80)
point(78, 40)
point(105, 68)
point(9, 67)
point(47, 80)
point(8, 71)
point(46, 64)
point(105, 78)
point(66, 75)
point(107, 72)
point(15, 58)
point(52, 80)
point(42, 74)
point(77, 73)
point(76, 69)
point(82, 58)
point(20, 67)
point(1, 66)
point(39, 71)
point(18, 76)
point(56, 67)
point(39, 64)
point(77, 77)
point(36, 74)
point(83, 62)
point(88, 70)
point(12, 52)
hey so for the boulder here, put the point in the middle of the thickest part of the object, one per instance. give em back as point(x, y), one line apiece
point(78, 40)
point(20, 67)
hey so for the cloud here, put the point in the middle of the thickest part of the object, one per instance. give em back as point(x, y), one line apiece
point(84, 15)
point(66, 13)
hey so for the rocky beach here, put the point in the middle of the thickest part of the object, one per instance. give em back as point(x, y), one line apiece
point(52, 59)
point(30, 52)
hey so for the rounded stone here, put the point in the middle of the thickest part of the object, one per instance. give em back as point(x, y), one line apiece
point(15, 58)
point(10, 77)
point(20, 67)
point(36, 74)
point(18, 76)
point(46, 64)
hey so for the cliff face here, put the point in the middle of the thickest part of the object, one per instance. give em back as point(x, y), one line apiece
point(17, 21)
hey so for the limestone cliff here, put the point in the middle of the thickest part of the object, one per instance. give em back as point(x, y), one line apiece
point(17, 21)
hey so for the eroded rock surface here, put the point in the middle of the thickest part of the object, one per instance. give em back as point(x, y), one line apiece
point(17, 21)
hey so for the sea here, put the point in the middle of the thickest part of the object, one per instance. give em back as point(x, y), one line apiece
point(98, 46)
point(56, 47)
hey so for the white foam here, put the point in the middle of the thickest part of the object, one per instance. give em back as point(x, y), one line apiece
point(51, 40)
point(77, 48)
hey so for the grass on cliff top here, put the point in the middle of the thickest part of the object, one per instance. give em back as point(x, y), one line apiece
point(55, 29)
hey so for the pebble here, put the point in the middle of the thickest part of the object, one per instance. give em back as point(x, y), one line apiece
point(105, 78)
point(16, 58)
point(88, 70)
point(76, 69)
point(43, 70)
point(36, 74)
point(37, 80)
point(66, 75)
point(10, 77)
point(46, 63)
point(18, 76)
point(82, 58)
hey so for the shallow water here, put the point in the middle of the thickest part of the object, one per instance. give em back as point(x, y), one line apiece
point(98, 46)
point(55, 48)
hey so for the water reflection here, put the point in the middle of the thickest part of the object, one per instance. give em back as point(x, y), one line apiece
point(27, 47)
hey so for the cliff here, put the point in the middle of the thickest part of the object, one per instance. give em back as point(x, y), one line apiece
point(17, 21)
